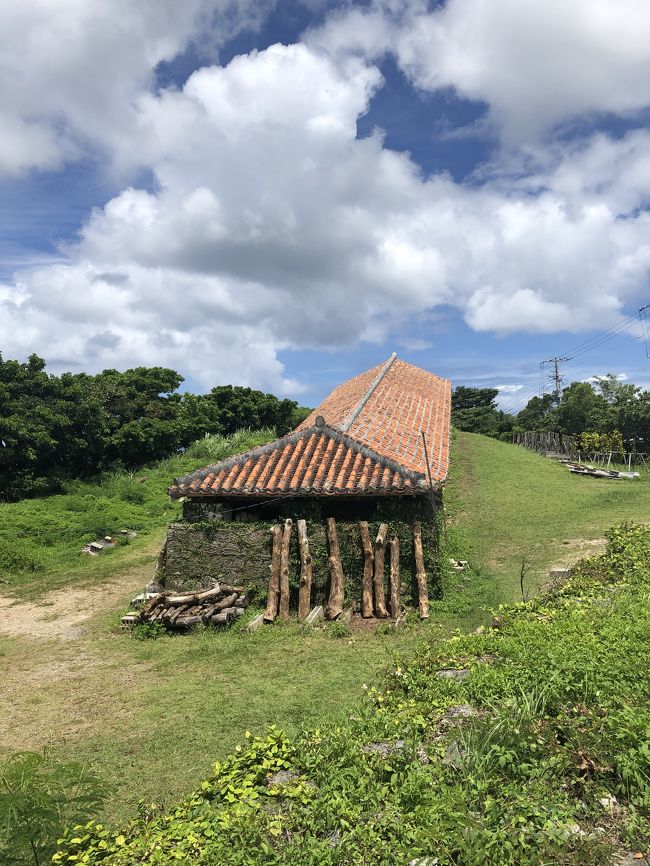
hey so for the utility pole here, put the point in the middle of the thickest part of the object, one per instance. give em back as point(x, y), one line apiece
point(645, 327)
point(555, 377)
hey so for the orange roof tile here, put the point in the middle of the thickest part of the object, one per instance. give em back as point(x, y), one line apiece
point(365, 438)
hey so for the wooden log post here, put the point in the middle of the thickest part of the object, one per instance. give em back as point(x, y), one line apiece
point(395, 587)
point(306, 569)
point(274, 580)
point(380, 550)
point(420, 573)
point(368, 566)
point(284, 569)
point(334, 607)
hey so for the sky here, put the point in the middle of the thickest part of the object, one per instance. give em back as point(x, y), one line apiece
point(280, 193)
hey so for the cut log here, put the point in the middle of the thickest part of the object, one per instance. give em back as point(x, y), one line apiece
point(208, 594)
point(368, 565)
point(150, 606)
point(226, 602)
point(242, 601)
point(186, 598)
point(420, 573)
point(219, 618)
point(187, 621)
point(274, 580)
point(237, 589)
point(394, 579)
point(284, 569)
point(380, 550)
point(306, 569)
point(334, 607)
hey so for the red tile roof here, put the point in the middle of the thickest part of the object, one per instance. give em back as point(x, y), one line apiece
point(364, 439)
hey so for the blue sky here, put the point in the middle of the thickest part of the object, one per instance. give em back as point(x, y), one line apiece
point(280, 194)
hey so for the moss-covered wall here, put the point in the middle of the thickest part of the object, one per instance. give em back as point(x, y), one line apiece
point(240, 552)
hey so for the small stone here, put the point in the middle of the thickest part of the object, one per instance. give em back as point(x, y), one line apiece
point(333, 838)
point(454, 755)
point(452, 674)
point(384, 749)
point(608, 802)
point(282, 777)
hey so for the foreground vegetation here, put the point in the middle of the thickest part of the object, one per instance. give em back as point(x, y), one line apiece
point(149, 717)
point(524, 743)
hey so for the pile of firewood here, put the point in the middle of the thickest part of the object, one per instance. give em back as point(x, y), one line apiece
point(216, 606)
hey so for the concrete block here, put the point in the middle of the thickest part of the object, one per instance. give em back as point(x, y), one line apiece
point(315, 615)
point(256, 623)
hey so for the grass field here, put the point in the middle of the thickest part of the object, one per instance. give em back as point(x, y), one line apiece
point(151, 716)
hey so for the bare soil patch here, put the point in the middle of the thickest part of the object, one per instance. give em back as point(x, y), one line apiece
point(61, 615)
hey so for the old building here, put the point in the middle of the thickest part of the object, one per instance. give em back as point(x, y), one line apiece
point(376, 449)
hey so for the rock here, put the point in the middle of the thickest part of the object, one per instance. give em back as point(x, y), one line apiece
point(452, 674)
point(383, 748)
point(457, 715)
point(608, 802)
point(282, 777)
point(454, 755)
point(333, 838)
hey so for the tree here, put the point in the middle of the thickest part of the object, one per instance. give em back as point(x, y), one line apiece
point(475, 410)
point(538, 414)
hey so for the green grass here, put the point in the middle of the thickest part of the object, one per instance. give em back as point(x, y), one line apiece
point(41, 539)
point(508, 505)
point(151, 716)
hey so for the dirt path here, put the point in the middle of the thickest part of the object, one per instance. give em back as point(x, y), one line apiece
point(61, 615)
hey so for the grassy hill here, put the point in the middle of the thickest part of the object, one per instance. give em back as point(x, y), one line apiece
point(151, 716)
point(508, 505)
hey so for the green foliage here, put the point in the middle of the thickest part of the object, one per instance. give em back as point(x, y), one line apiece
point(602, 442)
point(475, 410)
point(619, 413)
point(338, 629)
point(73, 426)
point(148, 631)
point(40, 799)
point(540, 754)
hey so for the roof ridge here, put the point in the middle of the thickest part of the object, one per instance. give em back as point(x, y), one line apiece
point(352, 417)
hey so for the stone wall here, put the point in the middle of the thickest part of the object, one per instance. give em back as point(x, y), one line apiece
point(240, 553)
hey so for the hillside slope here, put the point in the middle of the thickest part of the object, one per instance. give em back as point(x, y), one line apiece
point(508, 505)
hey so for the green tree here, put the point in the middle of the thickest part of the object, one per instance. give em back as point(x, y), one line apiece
point(475, 410)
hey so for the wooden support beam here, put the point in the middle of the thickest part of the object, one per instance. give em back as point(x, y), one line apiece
point(420, 573)
point(395, 587)
point(368, 565)
point(380, 550)
point(284, 570)
point(334, 607)
point(306, 569)
point(273, 597)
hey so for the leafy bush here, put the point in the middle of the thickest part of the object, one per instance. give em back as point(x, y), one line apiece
point(148, 631)
point(40, 799)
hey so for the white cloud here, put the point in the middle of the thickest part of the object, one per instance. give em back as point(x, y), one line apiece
point(271, 226)
point(535, 64)
point(74, 71)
